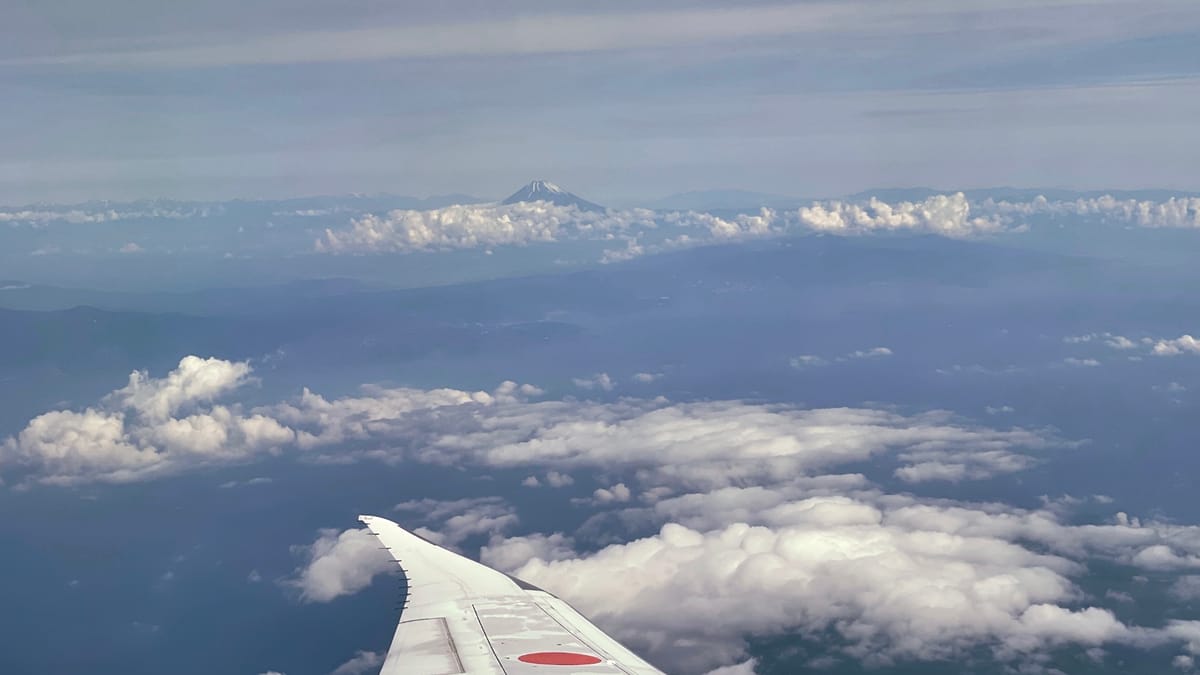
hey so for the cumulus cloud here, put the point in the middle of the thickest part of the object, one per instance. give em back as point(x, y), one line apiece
point(951, 215)
point(1120, 342)
point(600, 381)
point(873, 353)
point(152, 426)
point(946, 215)
point(891, 592)
point(746, 668)
point(510, 553)
point(615, 494)
point(810, 360)
point(362, 662)
point(709, 443)
point(194, 380)
point(743, 496)
point(646, 378)
point(381, 412)
point(490, 225)
point(339, 563)
point(479, 225)
point(1185, 344)
point(344, 563)
point(896, 577)
point(461, 519)
point(763, 224)
point(1174, 212)
point(1110, 340)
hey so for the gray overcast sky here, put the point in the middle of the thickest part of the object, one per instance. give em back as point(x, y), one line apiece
point(615, 99)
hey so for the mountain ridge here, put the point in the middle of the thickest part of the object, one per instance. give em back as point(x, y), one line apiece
point(545, 191)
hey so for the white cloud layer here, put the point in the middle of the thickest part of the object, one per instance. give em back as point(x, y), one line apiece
point(155, 426)
point(339, 563)
point(896, 577)
point(461, 518)
point(745, 668)
point(150, 427)
point(948, 215)
point(479, 225)
point(362, 662)
point(41, 217)
point(1175, 212)
point(1184, 344)
point(757, 533)
point(811, 360)
point(600, 381)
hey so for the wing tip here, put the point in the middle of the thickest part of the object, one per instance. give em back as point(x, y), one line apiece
point(372, 522)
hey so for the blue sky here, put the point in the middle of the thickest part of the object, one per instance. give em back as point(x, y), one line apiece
point(623, 101)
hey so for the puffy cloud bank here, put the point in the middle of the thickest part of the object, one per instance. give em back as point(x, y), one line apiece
point(732, 518)
point(1182, 345)
point(149, 427)
point(949, 215)
point(156, 426)
point(475, 226)
point(338, 564)
point(811, 360)
point(1175, 212)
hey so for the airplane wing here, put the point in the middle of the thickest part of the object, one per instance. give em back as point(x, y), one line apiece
point(463, 617)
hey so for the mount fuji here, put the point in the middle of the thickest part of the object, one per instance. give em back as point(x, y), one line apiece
point(545, 191)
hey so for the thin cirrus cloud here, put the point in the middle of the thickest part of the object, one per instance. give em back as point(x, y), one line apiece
point(538, 34)
point(39, 217)
point(531, 32)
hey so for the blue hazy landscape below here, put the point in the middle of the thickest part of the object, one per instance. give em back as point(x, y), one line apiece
point(182, 575)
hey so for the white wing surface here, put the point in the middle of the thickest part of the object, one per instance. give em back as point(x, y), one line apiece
point(463, 617)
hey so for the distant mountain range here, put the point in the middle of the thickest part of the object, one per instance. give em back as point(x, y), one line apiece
point(545, 191)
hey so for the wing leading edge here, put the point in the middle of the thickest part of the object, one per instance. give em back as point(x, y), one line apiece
point(464, 618)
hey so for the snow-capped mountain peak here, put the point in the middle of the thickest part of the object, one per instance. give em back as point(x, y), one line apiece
point(545, 191)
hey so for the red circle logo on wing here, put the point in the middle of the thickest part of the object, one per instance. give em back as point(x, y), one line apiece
point(559, 659)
